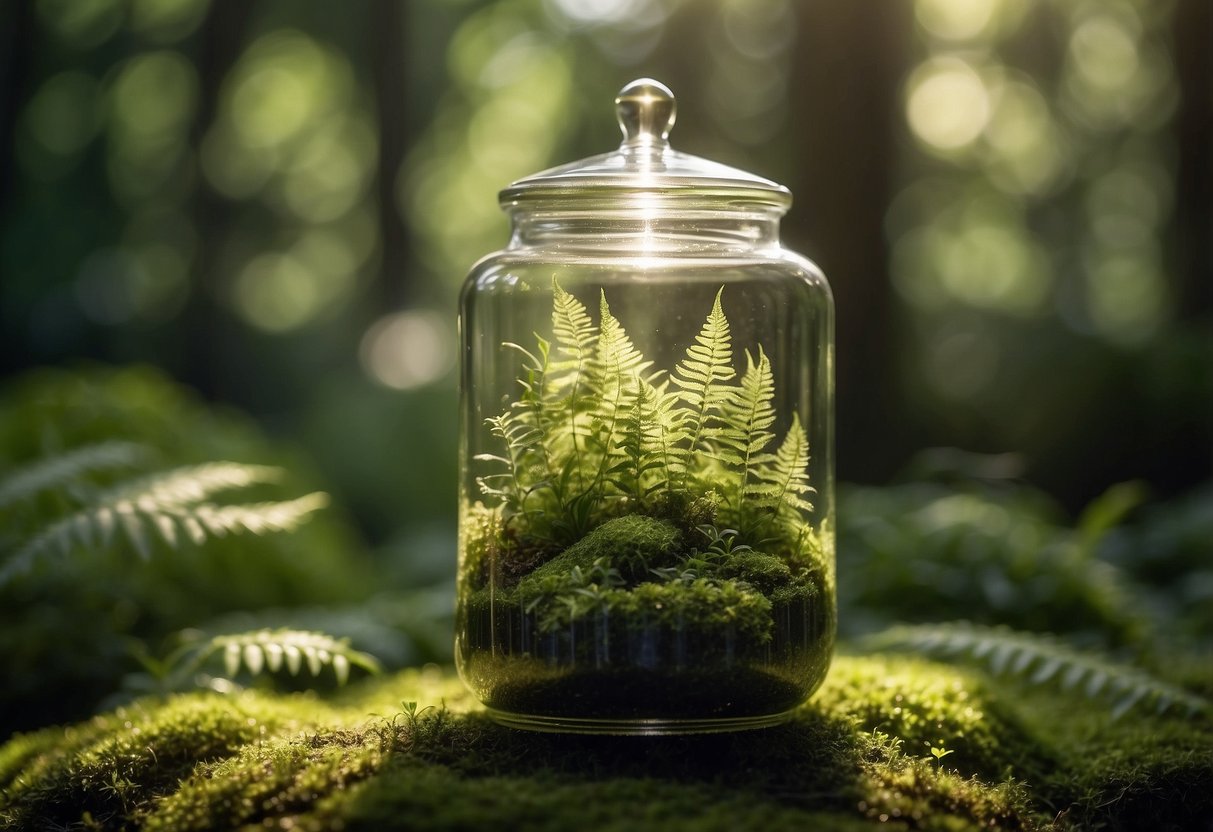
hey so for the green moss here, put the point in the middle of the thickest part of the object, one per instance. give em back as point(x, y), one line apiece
point(710, 609)
point(857, 756)
point(633, 545)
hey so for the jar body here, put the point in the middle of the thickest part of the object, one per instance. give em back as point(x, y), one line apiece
point(646, 539)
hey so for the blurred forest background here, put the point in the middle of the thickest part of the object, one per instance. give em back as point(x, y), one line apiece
point(276, 203)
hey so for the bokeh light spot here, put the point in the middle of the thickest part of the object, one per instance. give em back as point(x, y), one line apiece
point(408, 349)
point(1028, 148)
point(283, 84)
point(81, 24)
point(152, 99)
point(948, 105)
point(166, 21)
point(1126, 295)
point(277, 292)
point(62, 115)
point(956, 19)
point(597, 11)
point(1105, 52)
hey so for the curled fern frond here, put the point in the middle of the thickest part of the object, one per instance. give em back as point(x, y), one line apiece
point(168, 506)
point(261, 651)
point(1039, 659)
point(64, 469)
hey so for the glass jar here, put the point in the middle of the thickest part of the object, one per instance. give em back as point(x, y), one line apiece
point(646, 535)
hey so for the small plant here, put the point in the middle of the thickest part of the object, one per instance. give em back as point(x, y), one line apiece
point(939, 752)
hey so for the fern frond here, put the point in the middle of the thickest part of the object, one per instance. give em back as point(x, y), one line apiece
point(620, 364)
point(782, 481)
point(573, 385)
point(645, 458)
point(522, 440)
point(576, 337)
point(262, 651)
point(63, 469)
point(165, 505)
point(192, 483)
point(745, 421)
point(1038, 660)
point(701, 378)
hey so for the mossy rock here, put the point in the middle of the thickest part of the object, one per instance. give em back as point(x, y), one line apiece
point(633, 544)
point(857, 756)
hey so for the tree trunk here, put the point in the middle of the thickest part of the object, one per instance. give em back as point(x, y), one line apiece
point(849, 62)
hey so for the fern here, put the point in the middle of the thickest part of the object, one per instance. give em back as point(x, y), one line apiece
point(574, 379)
point(592, 427)
point(783, 480)
point(701, 378)
point(521, 439)
point(69, 468)
point(619, 363)
point(260, 651)
point(1038, 659)
point(746, 421)
point(645, 457)
point(166, 505)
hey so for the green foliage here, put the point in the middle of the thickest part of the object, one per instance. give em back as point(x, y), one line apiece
point(103, 465)
point(166, 505)
point(272, 651)
point(1036, 659)
point(636, 569)
point(992, 554)
point(701, 377)
point(1168, 555)
point(783, 482)
point(67, 470)
point(746, 421)
point(595, 431)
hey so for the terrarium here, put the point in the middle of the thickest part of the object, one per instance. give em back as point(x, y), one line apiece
point(646, 539)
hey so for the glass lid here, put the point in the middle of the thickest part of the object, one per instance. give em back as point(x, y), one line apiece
point(645, 166)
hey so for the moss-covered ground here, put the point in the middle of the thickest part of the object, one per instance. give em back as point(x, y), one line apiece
point(858, 755)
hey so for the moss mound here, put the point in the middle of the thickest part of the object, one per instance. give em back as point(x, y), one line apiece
point(857, 756)
point(633, 545)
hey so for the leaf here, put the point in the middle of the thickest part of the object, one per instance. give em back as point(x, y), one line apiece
point(57, 472)
point(160, 503)
point(701, 378)
point(783, 481)
point(264, 650)
point(1041, 660)
point(746, 420)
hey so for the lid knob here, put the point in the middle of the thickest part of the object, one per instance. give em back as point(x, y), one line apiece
point(646, 111)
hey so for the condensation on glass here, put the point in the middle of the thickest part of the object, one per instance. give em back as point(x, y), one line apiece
point(646, 534)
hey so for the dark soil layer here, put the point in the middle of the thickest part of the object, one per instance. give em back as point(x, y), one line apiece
point(633, 670)
point(633, 694)
point(857, 756)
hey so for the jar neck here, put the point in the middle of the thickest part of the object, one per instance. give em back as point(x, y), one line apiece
point(622, 232)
